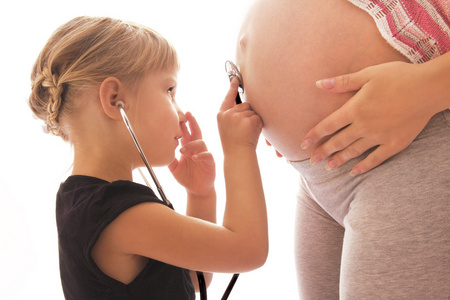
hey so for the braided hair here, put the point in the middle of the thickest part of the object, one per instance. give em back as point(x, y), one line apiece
point(82, 53)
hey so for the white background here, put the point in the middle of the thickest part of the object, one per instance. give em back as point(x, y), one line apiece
point(33, 164)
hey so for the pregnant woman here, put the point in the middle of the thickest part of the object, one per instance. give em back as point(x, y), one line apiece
point(384, 234)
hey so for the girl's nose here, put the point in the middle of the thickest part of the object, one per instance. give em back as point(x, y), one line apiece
point(181, 115)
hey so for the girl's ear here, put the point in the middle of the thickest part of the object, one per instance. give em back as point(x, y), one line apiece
point(111, 91)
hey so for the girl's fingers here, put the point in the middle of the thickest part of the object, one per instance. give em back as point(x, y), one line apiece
point(196, 133)
point(193, 132)
point(173, 165)
point(243, 107)
point(193, 148)
point(204, 157)
point(229, 101)
point(257, 121)
point(186, 137)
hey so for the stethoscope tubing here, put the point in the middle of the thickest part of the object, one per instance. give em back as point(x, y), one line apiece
point(200, 275)
point(141, 153)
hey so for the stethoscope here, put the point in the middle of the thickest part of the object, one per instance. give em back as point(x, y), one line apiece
point(232, 71)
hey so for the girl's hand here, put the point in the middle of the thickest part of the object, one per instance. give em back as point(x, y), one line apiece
point(239, 126)
point(195, 169)
point(390, 109)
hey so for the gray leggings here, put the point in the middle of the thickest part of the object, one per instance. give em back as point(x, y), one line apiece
point(381, 235)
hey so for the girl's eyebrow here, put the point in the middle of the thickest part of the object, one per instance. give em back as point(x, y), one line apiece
point(171, 79)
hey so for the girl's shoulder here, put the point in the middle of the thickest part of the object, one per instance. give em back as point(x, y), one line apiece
point(81, 188)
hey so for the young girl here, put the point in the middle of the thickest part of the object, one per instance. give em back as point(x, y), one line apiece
point(117, 240)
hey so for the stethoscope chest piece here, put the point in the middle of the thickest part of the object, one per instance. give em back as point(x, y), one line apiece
point(233, 71)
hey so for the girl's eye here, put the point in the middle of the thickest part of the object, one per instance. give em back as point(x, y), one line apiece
point(171, 92)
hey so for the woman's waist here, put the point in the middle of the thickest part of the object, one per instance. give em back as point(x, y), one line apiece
point(435, 135)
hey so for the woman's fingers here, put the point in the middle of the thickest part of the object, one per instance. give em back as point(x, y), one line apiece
point(337, 142)
point(374, 159)
point(341, 117)
point(353, 150)
point(333, 123)
point(344, 83)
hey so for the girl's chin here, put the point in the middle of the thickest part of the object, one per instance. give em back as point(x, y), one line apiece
point(163, 162)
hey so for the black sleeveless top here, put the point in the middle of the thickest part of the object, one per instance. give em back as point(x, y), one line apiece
point(85, 206)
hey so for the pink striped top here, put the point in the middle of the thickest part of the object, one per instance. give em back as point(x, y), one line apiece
point(419, 29)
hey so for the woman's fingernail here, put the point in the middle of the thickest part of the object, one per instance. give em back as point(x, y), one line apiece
point(326, 84)
point(355, 171)
point(315, 159)
point(332, 164)
point(182, 150)
point(306, 143)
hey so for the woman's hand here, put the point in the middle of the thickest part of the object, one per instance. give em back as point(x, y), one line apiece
point(393, 104)
point(195, 169)
point(278, 154)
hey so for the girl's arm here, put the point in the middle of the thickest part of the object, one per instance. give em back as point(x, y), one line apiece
point(240, 244)
point(245, 211)
point(393, 104)
point(202, 208)
point(195, 170)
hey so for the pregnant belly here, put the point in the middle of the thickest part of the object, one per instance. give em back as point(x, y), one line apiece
point(285, 46)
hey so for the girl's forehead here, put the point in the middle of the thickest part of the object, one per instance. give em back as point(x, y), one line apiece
point(163, 76)
point(158, 79)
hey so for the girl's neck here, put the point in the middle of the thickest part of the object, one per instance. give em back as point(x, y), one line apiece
point(102, 146)
point(107, 165)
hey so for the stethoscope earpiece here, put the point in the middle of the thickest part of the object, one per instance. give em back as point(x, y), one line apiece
point(120, 104)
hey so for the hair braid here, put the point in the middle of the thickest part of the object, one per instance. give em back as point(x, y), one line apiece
point(48, 91)
point(81, 54)
point(54, 101)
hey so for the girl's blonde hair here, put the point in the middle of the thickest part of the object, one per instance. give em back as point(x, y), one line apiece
point(85, 51)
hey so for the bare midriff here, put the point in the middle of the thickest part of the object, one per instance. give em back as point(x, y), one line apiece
point(285, 46)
